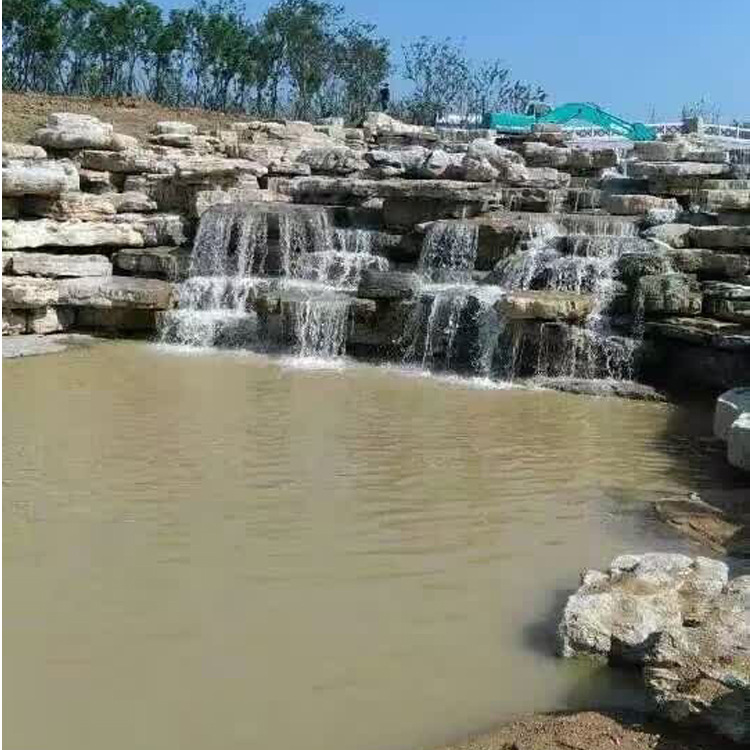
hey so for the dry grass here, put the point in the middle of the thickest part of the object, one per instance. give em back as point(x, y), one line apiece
point(24, 113)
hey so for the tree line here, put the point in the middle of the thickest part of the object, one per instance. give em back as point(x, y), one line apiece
point(302, 59)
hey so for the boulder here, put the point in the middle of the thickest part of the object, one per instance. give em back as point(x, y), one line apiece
point(38, 177)
point(726, 301)
point(332, 160)
point(70, 206)
point(631, 266)
point(379, 123)
point(67, 132)
point(545, 305)
point(388, 285)
point(201, 169)
point(27, 292)
point(738, 444)
point(22, 151)
point(729, 238)
point(675, 235)
point(497, 156)
point(168, 263)
point(634, 205)
point(174, 126)
point(116, 292)
point(131, 201)
point(683, 621)
point(202, 200)
point(153, 230)
point(709, 263)
point(19, 235)
point(60, 266)
point(49, 320)
point(130, 161)
point(667, 294)
point(725, 200)
point(677, 170)
point(729, 407)
point(96, 182)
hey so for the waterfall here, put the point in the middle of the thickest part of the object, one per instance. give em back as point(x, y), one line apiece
point(246, 256)
point(449, 251)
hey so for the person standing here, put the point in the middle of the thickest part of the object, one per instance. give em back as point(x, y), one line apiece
point(385, 96)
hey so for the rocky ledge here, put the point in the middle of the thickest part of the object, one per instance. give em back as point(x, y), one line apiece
point(683, 622)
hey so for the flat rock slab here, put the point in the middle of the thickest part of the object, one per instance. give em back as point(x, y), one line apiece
point(617, 388)
point(116, 291)
point(545, 305)
point(57, 266)
point(38, 177)
point(34, 345)
point(19, 235)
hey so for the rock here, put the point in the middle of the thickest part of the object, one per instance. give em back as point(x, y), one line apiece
point(60, 266)
point(725, 200)
point(11, 208)
point(68, 132)
point(117, 320)
point(633, 205)
point(478, 169)
point(332, 160)
point(19, 235)
point(116, 291)
point(738, 446)
point(667, 294)
point(545, 305)
point(38, 177)
point(199, 144)
point(14, 324)
point(720, 238)
point(396, 162)
point(168, 263)
point(716, 334)
point(709, 263)
point(675, 235)
point(204, 199)
point(677, 170)
point(379, 123)
point(69, 206)
point(729, 407)
point(683, 621)
point(499, 157)
point(96, 182)
point(726, 301)
point(631, 266)
point(388, 285)
point(613, 388)
point(22, 151)
point(129, 161)
point(131, 201)
point(27, 292)
point(155, 229)
point(49, 320)
point(122, 142)
point(200, 169)
point(173, 126)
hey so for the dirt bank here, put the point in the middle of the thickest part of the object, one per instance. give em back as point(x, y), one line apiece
point(586, 731)
point(24, 113)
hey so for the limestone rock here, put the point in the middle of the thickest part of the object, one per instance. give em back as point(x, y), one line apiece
point(19, 235)
point(738, 442)
point(14, 322)
point(202, 200)
point(174, 126)
point(667, 294)
point(709, 263)
point(729, 406)
point(677, 170)
point(388, 285)
point(67, 132)
point(28, 292)
point(729, 238)
point(633, 205)
point(11, 208)
point(116, 291)
point(545, 305)
point(154, 229)
point(378, 123)
point(708, 332)
point(725, 200)
point(675, 235)
point(49, 320)
point(335, 160)
point(129, 161)
point(131, 201)
point(60, 266)
point(168, 263)
point(631, 266)
point(683, 621)
point(38, 177)
point(96, 182)
point(727, 301)
point(22, 151)
point(70, 206)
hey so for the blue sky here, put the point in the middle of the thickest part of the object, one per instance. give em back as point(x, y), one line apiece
point(633, 56)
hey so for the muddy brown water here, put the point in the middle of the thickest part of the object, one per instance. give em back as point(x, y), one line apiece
point(227, 551)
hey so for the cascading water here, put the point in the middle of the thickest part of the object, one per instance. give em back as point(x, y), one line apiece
point(581, 264)
point(245, 257)
point(454, 323)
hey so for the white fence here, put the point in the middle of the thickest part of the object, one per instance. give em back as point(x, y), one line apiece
point(724, 131)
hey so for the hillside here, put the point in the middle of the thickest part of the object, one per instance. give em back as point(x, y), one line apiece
point(24, 113)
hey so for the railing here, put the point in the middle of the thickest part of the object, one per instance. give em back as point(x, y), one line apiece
point(725, 131)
